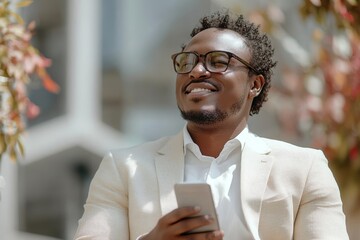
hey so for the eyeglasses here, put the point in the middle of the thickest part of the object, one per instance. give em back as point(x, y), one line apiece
point(214, 61)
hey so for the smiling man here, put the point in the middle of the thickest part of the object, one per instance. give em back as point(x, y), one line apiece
point(265, 189)
point(215, 87)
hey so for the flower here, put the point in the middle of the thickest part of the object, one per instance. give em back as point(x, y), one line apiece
point(18, 61)
point(322, 97)
point(326, 94)
point(345, 12)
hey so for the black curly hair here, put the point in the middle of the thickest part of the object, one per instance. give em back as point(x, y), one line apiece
point(259, 44)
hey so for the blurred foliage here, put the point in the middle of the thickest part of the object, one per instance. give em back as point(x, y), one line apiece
point(336, 122)
point(18, 61)
point(346, 12)
point(323, 98)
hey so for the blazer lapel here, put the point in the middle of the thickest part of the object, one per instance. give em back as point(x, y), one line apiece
point(256, 165)
point(169, 165)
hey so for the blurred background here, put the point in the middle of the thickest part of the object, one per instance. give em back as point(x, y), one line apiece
point(111, 59)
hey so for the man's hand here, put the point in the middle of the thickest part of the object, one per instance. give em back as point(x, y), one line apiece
point(181, 220)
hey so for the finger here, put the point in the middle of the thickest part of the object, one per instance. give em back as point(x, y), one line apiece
point(187, 224)
point(178, 214)
point(214, 235)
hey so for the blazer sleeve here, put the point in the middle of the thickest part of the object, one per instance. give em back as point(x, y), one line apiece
point(320, 215)
point(106, 212)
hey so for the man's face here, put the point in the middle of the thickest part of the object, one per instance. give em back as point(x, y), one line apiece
point(211, 98)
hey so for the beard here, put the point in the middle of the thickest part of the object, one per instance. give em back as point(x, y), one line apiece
point(204, 117)
point(210, 117)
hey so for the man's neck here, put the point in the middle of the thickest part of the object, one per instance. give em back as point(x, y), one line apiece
point(211, 138)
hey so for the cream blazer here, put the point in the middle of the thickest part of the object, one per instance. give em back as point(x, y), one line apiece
point(287, 192)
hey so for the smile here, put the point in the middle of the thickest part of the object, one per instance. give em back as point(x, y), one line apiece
point(200, 87)
point(196, 90)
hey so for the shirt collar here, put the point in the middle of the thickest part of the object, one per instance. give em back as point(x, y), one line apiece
point(241, 137)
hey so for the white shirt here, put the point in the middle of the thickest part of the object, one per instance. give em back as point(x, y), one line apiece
point(223, 175)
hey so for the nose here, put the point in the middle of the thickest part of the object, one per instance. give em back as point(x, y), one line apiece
point(199, 71)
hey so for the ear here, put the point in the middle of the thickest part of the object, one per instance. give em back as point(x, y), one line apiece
point(257, 83)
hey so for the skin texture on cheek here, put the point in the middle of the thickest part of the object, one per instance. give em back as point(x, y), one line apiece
point(226, 94)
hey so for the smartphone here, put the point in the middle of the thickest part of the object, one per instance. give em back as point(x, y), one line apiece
point(197, 194)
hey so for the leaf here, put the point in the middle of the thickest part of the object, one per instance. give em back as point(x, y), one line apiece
point(12, 141)
point(352, 2)
point(6, 4)
point(2, 144)
point(17, 18)
point(51, 85)
point(48, 83)
point(12, 145)
point(12, 154)
point(21, 147)
point(32, 26)
point(24, 3)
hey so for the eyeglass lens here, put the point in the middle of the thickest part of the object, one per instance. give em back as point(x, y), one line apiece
point(214, 61)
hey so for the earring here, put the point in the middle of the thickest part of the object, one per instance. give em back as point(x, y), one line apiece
point(255, 91)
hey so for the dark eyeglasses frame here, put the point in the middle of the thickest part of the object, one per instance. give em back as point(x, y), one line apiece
point(203, 56)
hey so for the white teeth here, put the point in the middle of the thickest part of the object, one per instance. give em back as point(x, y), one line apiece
point(200, 90)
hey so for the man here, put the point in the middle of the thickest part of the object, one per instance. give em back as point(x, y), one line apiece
point(266, 189)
